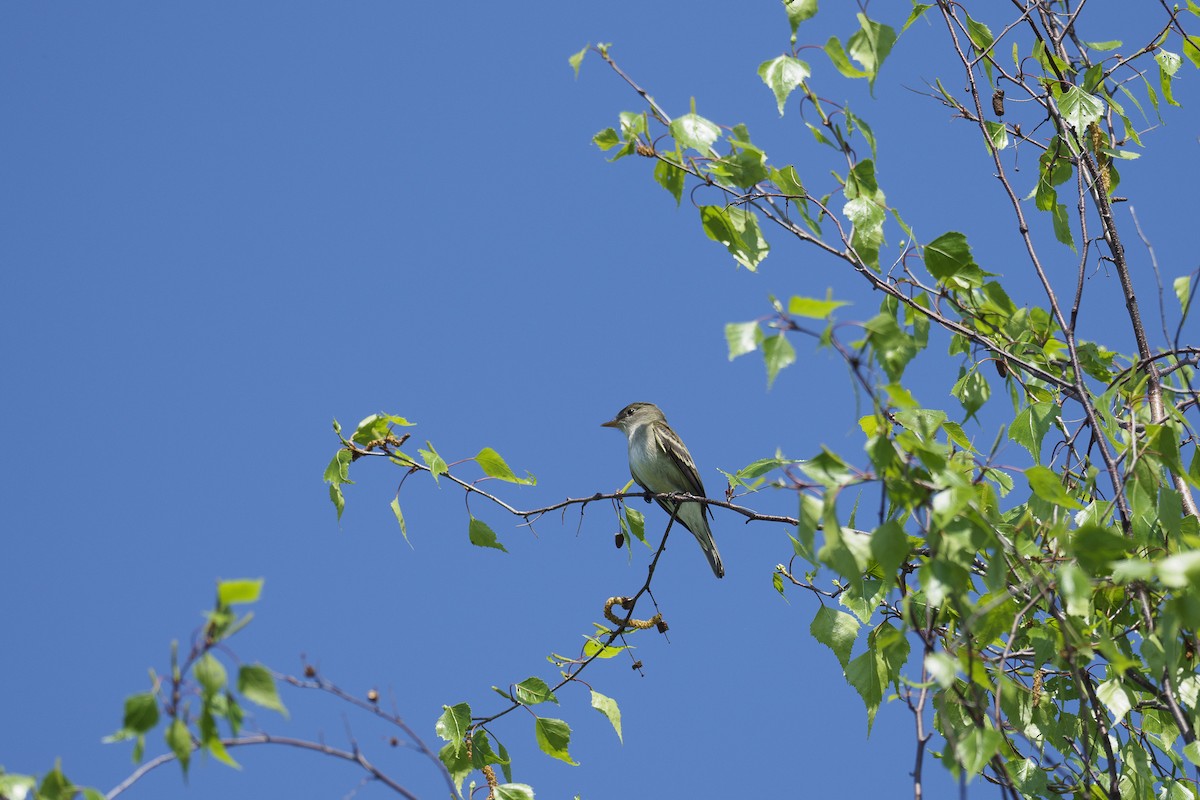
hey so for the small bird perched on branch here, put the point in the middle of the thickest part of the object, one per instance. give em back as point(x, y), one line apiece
point(660, 463)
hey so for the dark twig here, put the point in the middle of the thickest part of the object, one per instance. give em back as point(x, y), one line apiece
point(354, 757)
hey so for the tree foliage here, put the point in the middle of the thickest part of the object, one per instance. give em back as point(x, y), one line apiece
point(1038, 619)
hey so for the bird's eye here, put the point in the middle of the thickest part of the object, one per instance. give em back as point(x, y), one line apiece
point(629, 412)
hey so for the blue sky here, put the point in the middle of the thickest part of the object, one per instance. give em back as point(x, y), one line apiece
point(226, 225)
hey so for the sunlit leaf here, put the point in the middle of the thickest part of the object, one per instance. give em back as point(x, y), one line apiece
point(738, 230)
point(482, 535)
point(257, 684)
point(553, 736)
point(695, 132)
point(577, 59)
point(782, 75)
point(608, 707)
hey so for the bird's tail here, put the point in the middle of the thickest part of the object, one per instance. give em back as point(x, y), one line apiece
point(714, 558)
point(705, 538)
point(692, 517)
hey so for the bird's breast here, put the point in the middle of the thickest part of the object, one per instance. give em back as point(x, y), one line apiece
point(649, 465)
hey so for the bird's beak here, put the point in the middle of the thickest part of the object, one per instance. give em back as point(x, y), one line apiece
point(612, 423)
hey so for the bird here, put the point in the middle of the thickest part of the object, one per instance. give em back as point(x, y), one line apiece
point(660, 463)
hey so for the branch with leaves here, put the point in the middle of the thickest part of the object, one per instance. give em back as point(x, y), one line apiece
point(1019, 603)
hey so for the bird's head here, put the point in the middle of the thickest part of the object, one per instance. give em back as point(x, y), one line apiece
point(635, 415)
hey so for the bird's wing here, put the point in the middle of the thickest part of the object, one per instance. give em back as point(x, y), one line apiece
point(673, 446)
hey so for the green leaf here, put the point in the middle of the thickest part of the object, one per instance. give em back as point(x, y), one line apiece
point(20, 786)
point(453, 724)
point(980, 35)
point(798, 11)
point(210, 673)
point(782, 75)
point(1192, 51)
point(514, 791)
point(141, 712)
point(532, 691)
point(889, 547)
point(855, 122)
point(482, 753)
point(635, 522)
point(395, 506)
point(813, 308)
point(1079, 108)
point(338, 470)
point(742, 337)
point(941, 668)
point(788, 181)
point(180, 741)
point(437, 465)
point(841, 62)
point(216, 749)
point(577, 59)
point(338, 499)
point(481, 535)
point(972, 390)
point(695, 132)
point(1114, 697)
point(982, 40)
point(495, 467)
point(594, 647)
point(949, 99)
point(1031, 424)
point(1163, 442)
point(671, 178)
point(837, 630)
point(977, 747)
point(955, 433)
point(894, 348)
point(862, 183)
point(867, 216)
point(746, 166)
point(877, 667)
point(606, 139)
point(1054, 168)
point(948, 259)
point(553, 736)
point(997, 134)
point(457, 763)
point(257, 685)
point(608, 707)
point(1181, 570)
point(918, 11)
point(337, 473)
point(1047, 485)
point(738, 230)
point(1168, 64)
point(750, 476)
point(55, 785)
point(1103, 47)
point(777, 353)
point(870, 45)
point(1076, 589)
point(376, 427)
point(238, 591)
point(1183, 292)
point(1095, 547)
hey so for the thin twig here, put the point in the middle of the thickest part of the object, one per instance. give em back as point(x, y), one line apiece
point(263, 738)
